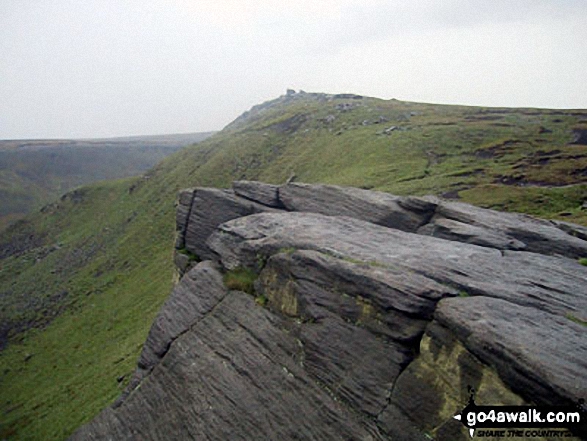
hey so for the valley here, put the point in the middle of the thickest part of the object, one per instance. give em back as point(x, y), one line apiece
point(36, 172)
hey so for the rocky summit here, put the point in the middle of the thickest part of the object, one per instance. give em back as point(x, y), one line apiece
point(323, 312)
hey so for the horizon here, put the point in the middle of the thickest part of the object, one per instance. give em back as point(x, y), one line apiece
point(105, 69)
point(147, 135)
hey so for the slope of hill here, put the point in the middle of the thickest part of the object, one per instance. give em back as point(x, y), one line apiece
point(35, 172)
point(82, 280)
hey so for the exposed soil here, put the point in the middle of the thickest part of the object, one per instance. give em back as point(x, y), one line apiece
point(453, 194)
point(448, 123)
point(522, 181)
point(496, 151)
point(510, 180)
point(19, 239)
point(289, 125)
point(580, 172)
point(483, 118)
point(549, 153)
point(579, 137)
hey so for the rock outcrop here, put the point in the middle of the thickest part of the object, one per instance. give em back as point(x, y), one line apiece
point(372, 316)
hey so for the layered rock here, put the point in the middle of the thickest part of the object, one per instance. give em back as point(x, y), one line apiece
point(201, 210)
point(504, 231)
point(192, 299)
point(372, 316)
point(380, 208)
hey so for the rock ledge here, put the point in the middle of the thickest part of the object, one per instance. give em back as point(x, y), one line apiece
point(372, 315)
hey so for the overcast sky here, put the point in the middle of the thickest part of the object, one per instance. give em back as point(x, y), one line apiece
point(97, 68)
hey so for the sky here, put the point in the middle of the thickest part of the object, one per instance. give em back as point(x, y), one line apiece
point(104, 68)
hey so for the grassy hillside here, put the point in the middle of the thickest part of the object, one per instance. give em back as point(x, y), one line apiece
point(81, 281)
point(35, 172)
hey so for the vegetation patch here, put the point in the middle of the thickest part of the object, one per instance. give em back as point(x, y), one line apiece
point(241, 279)
point(261, 300)
point(572, 318)
point(583, 261)
point(193, 257)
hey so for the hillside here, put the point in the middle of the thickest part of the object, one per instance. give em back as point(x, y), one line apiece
point(82, 280)
point(35, 172)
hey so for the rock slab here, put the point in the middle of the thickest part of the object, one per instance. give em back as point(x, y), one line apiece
point(371, 316)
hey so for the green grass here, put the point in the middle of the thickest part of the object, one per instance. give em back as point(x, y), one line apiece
point(261, 300)
point(241, 279)
point(583, 261)
point(99, 262)
point(193, 257)
point(576, 320)
point(113, 298)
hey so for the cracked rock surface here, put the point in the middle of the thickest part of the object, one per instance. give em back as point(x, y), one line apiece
point(371, 316)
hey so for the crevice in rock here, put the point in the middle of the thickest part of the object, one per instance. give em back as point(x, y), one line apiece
point(278, 195)
point(182, 232)
point(189, 215)
point(428, 217)
point(145, 371)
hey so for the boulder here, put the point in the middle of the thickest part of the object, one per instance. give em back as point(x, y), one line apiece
point(539, 355)
point(192, 298)
point(235, 374)
point(361, 324)
point(425, 215)
point(572, 229)
point(182, 212)
point(509, 354)
point(371, 206)
point(528, 279)
point(435, 387)
point(265, 194)
point(505, 231)
point(384, 300)
point(372, 316)
point(211, 207)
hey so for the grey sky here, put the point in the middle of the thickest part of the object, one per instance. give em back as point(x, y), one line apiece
point(94, 68)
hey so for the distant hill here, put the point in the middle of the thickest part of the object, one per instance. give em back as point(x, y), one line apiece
point(35, 172)
point(82, 280)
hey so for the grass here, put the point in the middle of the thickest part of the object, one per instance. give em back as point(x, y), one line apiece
point(577, 320)
point(261, 300)
point(583, 261)
point(241, 279)
point(193, 257)
point(114, 294)
point(95, 266)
